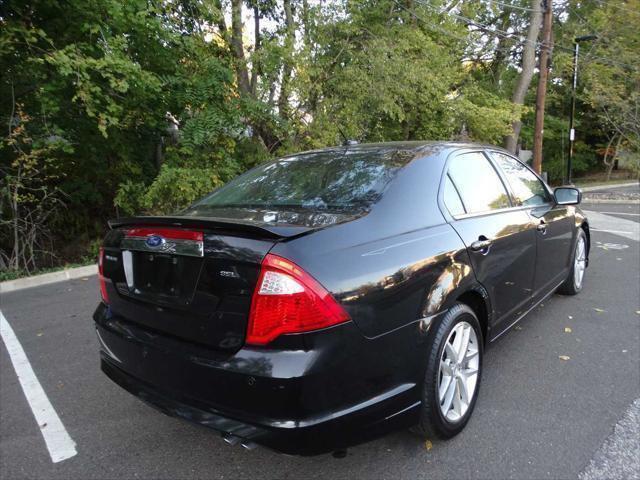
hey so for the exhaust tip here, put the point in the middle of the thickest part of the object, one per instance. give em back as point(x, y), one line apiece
point(230, 439)
point(249, 445)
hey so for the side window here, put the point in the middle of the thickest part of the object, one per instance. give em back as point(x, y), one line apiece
point(452, 199)
point(478, 183)
point(527, 188)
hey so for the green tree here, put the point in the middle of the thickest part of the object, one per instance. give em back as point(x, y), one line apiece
point(143, 106)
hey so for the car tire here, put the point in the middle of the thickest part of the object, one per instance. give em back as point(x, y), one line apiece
point(434, 422)
point(575, 280)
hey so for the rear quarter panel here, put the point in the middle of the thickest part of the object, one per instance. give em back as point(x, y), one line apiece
point(400, 263)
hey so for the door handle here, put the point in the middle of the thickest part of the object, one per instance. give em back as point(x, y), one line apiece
point(481, 245)
point(542, 227)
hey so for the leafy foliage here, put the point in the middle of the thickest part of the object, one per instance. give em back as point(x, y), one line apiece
point(118, 108)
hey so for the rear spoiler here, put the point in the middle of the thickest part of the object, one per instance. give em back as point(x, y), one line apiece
point(220, 225)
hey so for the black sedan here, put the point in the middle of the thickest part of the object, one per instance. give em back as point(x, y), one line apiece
point(328, 297)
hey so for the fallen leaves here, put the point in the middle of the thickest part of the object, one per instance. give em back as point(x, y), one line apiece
point(428, 445)
point(612, 246)
point(564, 357)
point(567, 330)
point(570, 317)
point(599, 310)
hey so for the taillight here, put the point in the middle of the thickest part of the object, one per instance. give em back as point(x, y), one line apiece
point(103, 285)
point(289, 300)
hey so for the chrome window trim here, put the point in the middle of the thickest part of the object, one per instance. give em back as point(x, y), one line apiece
point(494, 212)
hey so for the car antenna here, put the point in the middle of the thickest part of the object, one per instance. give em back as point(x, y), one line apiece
point(347, 142)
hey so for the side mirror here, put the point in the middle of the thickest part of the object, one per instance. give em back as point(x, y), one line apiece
point(567, 195)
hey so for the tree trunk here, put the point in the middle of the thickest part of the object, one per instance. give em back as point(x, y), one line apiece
point(497, 66)
point(608, 149)
point(255, 68)
point(245, 85)
point(524, 79)
point(305, 22)
point(237, 47)
point(14, 262)
point(287, 68)
point(613, 158)
point(159, 155)
point(219, 20)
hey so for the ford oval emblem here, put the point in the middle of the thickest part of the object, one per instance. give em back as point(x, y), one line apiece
point(154, 241)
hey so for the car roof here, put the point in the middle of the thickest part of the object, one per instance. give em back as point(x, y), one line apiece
point(417, 146)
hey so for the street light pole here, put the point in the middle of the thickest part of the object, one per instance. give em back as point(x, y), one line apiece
point(572, 132)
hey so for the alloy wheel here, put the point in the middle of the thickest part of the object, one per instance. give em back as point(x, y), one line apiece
point(458, 372)
point(580, 263)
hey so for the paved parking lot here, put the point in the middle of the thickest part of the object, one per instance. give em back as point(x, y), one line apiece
point(538, 416)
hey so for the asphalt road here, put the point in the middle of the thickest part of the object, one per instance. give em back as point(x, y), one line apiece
point(537, 416)
point(623, 211)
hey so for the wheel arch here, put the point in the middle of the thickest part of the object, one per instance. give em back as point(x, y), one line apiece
point(477, 299)
point(458, 283)
point(585, 227)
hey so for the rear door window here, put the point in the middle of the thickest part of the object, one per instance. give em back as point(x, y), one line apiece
point(478, 183)
point(527, 189)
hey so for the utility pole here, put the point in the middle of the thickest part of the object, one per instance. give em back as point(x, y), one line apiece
point(545, 54)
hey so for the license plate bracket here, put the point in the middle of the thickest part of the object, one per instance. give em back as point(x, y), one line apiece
point(157, 273)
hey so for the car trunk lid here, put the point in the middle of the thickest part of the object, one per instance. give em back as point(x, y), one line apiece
point(189, 278)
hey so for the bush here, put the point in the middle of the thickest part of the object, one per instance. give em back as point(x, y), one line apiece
point(176, 188)
point(172, 190)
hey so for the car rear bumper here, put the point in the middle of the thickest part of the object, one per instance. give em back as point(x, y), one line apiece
point(276, 399)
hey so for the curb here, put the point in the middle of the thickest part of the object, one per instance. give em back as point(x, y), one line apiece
point(47, 278)
point(610, 200)
point(610, 185)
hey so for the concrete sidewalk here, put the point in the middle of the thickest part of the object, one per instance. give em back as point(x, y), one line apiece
point(596, 188)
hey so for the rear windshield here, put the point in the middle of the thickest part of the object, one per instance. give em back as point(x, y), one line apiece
point(346, 180)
